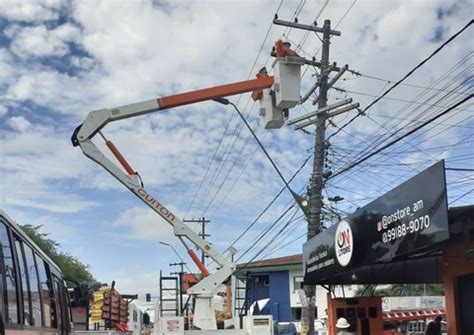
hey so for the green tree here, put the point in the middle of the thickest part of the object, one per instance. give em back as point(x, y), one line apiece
point(416, 289)
point(401, 290)
point(71, 267)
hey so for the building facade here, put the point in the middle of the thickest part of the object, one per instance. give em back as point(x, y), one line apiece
point(278, 280)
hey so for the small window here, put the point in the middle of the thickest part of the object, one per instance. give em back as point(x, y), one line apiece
point(46, 292)
point(297, 283)
point(9, 279)
point(60, 294)
point(27, 317)
point(36, 317)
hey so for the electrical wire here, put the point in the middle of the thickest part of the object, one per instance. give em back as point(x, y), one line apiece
point(221, 139)
point(441, 47)
point(403, 136)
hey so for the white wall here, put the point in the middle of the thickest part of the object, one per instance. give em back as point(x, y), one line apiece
point(135, 316)
point(321, 293)
point(294, 298)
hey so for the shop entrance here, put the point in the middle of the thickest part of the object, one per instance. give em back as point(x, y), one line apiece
point(407, 236)
point(466, 303)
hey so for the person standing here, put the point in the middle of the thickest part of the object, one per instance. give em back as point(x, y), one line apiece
point(434, 327)
point(341, 327)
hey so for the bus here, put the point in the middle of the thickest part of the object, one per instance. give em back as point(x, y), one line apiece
point(33, 293)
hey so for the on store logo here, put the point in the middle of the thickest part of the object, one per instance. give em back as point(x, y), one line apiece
point(344, 243)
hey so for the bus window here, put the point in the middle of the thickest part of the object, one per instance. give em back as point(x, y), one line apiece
point(62, 306)
point(9, 278)
point(36, 319)
point(24, 285)
point(46, 294)
point(67, 310)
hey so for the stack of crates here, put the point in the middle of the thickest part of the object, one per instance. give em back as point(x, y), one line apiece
point(108, 308)
point(114, 308)
point(97, 305)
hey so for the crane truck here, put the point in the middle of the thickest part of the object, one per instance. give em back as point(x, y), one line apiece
point(276, 95)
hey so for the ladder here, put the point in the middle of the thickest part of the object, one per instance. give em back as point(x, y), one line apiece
point(169, 292)
point(242, 295)
point(239, 296)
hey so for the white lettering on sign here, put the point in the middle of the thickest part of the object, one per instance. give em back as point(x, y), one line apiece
point(317, 257)
point(321, 265)
point(403, 229)
point(399, 215)
point(402, 222)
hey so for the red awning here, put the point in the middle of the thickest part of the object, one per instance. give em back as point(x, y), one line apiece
point(412, 314)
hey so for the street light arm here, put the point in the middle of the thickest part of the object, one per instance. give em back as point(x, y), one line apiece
point(177, 254)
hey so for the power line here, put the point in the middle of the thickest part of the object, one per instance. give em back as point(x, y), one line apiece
point(357, 73)
point(266, 231)
point(405, 77)
point(213, 159)
point(345, 14)
point(403, 136)
point(270, 203)
point(414, 120)
point(459, 169)
point(462, 196)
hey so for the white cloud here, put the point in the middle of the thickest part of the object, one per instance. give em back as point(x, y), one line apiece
point(40, 158)
point(6, 67)
point(3, 110)
point(30, 11)
point(40, 41)
point(85, 63)
point(132, 51)
point(146, 224)
point(18, 123)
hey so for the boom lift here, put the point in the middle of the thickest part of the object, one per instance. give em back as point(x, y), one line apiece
point(276, 95)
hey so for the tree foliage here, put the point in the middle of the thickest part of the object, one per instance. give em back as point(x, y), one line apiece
point(71, 267)
point(401, 290)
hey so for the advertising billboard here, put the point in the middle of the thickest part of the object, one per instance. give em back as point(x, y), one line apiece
point(406, 220)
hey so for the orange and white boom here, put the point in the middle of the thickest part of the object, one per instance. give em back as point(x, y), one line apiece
point(97, 119)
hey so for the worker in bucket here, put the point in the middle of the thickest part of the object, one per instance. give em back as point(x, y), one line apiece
point(283, 48)
point(341, 327)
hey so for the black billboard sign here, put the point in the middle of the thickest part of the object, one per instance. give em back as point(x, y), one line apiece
point(410, 218)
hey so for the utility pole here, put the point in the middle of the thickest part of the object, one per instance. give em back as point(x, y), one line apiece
point(203, 234)
point(316, 181)
point(318, 117)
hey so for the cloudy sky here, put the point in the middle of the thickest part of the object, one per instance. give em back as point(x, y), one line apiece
point(61, 59)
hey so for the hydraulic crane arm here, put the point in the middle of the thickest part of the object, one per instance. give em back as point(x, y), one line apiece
point(276, 95)
point(96, 120)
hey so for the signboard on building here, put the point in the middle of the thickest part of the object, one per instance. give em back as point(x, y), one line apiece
point(408, 219)
point(173, 325)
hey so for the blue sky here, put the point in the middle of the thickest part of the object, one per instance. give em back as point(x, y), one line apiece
point(61, 59)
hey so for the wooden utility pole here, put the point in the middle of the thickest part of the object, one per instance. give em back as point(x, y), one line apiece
point(318, 117)
point(203, 234)
point(316, 182)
